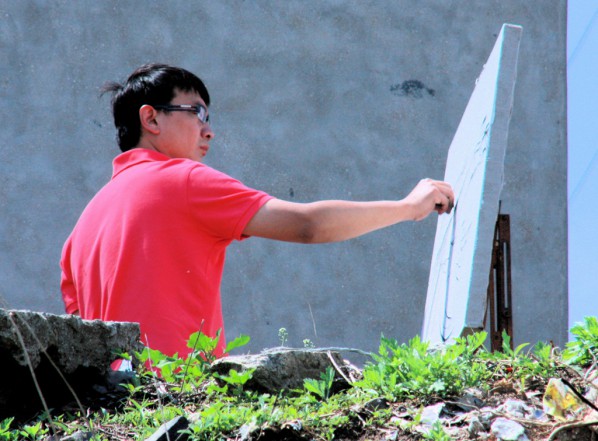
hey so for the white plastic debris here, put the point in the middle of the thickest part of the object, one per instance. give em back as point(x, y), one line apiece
point(507, 430)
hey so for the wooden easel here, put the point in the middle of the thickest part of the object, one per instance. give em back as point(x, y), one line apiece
point(499, 284)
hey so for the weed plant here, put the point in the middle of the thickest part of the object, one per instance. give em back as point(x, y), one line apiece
point(414, 370)
point(583, 349)
point(219, 406)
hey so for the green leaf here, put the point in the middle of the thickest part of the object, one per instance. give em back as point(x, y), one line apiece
point(198, 341)
point(241, 340)
point(213, 388)
point(314, 386)
point(5, 425)
point(236, 378)
point(519, 348)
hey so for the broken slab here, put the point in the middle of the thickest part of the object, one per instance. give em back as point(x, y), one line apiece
point(52, 347)
point(281, 369)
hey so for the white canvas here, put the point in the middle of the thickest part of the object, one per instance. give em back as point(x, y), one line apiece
point(458, 282)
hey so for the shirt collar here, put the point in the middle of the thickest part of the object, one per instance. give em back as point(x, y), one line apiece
point(135, 156)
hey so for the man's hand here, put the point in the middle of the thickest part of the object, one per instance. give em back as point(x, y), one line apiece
point(430, 195)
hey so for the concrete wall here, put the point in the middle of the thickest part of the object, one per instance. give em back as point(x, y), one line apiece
point(311, 100)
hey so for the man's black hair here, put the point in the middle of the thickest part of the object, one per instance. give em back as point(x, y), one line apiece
point(152, 84)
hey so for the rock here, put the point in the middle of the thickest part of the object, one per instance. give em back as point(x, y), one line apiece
point(170, 430)
point(392, 436)
point(376, 404)
point(486, 416)
point(79, 436)
point(56, 348)
point(471, 399)
point(245, 432)
point(431, 414)
point(281, 368)
point(507, 430)
point(475, 426)
point(516, 408)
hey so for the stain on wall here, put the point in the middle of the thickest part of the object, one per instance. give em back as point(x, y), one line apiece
point(412, 89)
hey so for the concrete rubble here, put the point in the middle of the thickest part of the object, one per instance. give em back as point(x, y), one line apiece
point(282, 368)
point(62, 352)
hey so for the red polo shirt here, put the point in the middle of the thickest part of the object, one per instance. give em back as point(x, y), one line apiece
point(150, 247)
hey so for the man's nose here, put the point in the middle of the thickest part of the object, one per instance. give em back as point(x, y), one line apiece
point(206, 131)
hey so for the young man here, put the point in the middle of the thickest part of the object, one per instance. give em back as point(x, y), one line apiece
point(150, 246)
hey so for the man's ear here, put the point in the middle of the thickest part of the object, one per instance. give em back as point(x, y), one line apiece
point(147, 117)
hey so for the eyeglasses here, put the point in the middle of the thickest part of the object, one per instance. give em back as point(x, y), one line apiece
point(199, 110)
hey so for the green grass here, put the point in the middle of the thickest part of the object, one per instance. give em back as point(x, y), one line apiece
point(219, 406)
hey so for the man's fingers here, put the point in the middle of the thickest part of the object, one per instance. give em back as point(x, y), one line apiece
point(447, 192)
point(442, 208)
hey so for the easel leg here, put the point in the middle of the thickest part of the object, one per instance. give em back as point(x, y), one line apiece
point(499, 284)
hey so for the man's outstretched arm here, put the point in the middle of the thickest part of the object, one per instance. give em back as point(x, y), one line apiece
point(334, 221)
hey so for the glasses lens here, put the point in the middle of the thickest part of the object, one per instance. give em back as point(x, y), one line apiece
point(202, 114)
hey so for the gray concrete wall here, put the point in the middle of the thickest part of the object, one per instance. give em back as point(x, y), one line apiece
point(310, 101)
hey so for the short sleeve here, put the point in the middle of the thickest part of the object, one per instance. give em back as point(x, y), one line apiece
point(222, 205)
